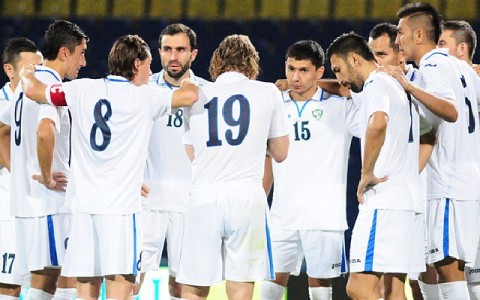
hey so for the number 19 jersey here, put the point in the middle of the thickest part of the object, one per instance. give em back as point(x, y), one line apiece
point(112, 122)
point(230, 135)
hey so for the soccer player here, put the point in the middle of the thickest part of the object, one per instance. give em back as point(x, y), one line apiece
point(460, 40)
point(308, 213)
point(40, 143)
point(112, 121)
point(168, 172)
point(17, 53)
point(453, 192)
point(226, 234)
point(386, 191)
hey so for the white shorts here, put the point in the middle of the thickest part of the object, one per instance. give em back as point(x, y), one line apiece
point(323, 251)
point(8, 259)
point(417, 247)
point(158, 226)
point(453, 229)
point(226, 237)
point(42, 241)
point(381, 241)
point(103, 245)
point(473, 273)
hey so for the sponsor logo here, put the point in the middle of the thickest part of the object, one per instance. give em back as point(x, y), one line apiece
point(434, 250)
point(336, 265)
point(355, 260)
point(473, 271)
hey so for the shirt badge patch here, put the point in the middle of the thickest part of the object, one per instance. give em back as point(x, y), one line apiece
point(317, 114)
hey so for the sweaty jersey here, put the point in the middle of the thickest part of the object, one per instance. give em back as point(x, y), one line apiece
point(454, 167)
point(310, 185)
point(6, 95)
point(398, 158)
point(29, 197)
point(229, 133)
point(168, 172)
point(112, 122)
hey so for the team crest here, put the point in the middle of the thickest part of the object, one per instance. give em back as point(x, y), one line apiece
point(317, 114)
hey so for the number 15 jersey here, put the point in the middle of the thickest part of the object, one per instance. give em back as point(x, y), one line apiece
point(230, 133)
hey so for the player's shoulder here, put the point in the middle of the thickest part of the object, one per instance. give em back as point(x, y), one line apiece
point(47, 75)
point(6, 93)
point(435, 58)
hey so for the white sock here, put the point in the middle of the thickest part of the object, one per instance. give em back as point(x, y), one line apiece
point(36, 294)
point(6, 297)
point(429, 291)
point(271, 291)
point(64, 294)
point(474, 290)
point(456, 290)
point(320, 293)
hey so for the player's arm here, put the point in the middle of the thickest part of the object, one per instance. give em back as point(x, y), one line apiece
point(5, 145)
point(186, 95)
point(442, 107)
point(427, 143)
point(190, 151)
point(374, 139)
point(277, 148)
point(332, 86)
point(45, 146)
point(267, 175)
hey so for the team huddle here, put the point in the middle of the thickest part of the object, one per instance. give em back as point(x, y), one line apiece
point(97, 174)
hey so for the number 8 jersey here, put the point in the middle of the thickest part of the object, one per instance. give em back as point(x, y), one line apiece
point(111, 124)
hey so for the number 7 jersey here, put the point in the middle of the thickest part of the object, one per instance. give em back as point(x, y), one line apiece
point(230, 132)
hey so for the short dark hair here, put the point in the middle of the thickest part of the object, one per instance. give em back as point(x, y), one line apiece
point(307, 50)
point(426, 13)
point(176, 28)
point(350, 42)
point(15, 46)
point(123, 54)
point(388, 29)
point(463, 33)
point(60, 34)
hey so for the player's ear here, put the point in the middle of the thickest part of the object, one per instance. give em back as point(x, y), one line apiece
point(354, 59)
point(136, 65)
point(8, 68)
point(194, 54)
point(320, 72)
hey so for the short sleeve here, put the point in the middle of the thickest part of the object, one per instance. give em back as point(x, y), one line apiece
point(437, 78)
point(278, 124)
point(160, 100)
point(5, 113)
point(49, 112)
point(376, 96)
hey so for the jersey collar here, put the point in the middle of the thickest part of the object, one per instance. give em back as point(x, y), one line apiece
point(231, 77)
point(318, 96)
point(161, 78)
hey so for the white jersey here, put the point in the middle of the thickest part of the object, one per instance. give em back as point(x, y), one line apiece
point(312, 181)
point(230, 134)
point(29, 197)
point(398, 158)
point(6, 97)
point(112, 122)
point(168, 172)
point(454, 167)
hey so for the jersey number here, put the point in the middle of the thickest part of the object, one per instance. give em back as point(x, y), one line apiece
point(302, 132)
point(410, 135)
point(242, 121)
point(175, 120)
point(101, 123)
point(7, 266)
point(18, 119)
point(470, 117)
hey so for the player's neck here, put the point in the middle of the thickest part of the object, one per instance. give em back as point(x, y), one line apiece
point(55, 65)
point(305, 96)
point(12, 86)
point(422, 50)
point(175, 82)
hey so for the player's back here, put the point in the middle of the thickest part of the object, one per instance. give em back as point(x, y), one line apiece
point(230, 135)
point(454, 167)
point(112, 121)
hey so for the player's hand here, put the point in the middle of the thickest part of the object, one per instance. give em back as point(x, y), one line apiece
point(144, 190)
point(397, 73)
point(282, 84)
point(477, 69)
point(367, 182)
point(27, 73)
point(58, 181)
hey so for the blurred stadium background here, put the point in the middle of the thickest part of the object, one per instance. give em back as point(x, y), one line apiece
point(272, 25)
